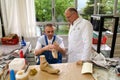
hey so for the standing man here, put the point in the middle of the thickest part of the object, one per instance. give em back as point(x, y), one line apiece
point(79, 37)
point(49, 42)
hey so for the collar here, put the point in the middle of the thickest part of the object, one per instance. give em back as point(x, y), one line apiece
point(46, 39)
point(77, 20)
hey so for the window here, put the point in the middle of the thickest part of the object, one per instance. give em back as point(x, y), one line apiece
point(52, 11)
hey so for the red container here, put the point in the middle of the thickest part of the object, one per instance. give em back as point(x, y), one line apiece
point(13, 41)
point(103, 41)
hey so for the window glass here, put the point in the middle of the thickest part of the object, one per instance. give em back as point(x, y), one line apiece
point(43, 10)
point(60, 6)
point(52, 11)
point(62, 29)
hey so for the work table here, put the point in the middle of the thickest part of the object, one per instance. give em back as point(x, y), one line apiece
point(68, 71)
point(72, 71)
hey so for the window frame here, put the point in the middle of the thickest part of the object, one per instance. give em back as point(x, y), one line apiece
point(53, 21)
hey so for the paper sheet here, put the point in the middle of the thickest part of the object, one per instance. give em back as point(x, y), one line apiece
point(87, 68)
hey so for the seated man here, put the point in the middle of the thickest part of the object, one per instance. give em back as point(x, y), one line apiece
point(49, 43)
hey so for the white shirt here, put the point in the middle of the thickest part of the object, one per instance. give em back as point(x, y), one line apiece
point(80, 40)
point(39, 42)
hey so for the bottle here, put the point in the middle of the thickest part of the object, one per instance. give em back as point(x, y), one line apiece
point(21, 55)
point(23, 43)
point(12, 75)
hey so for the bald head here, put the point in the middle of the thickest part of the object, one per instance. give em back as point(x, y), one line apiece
point(71, 14)
point(72, 10)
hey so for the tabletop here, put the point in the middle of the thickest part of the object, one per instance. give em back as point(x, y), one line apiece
point(104, 74)
point(68, 71)
point(6, 49)
point(7, 54)
point(72, 71)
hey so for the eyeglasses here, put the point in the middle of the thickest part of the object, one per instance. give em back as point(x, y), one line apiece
point(50, 31)
point(68, 17)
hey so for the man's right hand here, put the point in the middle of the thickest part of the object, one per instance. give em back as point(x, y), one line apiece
point(48, 47)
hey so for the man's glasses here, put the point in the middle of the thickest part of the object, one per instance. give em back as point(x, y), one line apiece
point(50, 31)
point(68, 17)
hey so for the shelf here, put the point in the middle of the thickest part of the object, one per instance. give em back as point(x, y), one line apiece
point(105, 49)
point(98, 22)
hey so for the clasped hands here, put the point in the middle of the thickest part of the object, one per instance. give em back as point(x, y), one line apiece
point(51, 47)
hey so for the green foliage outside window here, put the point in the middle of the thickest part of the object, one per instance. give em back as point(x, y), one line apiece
point(44, 9)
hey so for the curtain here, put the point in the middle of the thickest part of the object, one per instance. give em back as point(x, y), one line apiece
point(0, 29)
point(19, 17)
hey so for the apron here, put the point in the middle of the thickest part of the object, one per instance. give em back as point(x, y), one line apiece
point(48, 54)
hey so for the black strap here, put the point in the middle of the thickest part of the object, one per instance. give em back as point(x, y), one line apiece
point(54, 37)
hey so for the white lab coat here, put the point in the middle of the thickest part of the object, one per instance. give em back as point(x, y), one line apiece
point(80, 40)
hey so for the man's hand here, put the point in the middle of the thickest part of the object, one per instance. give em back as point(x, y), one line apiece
point(50, 47)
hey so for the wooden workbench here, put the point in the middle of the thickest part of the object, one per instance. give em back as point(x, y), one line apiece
point(68, 71)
